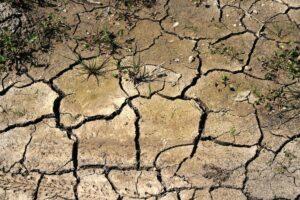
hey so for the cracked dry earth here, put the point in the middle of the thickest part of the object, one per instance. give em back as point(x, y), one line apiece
point(179, 134)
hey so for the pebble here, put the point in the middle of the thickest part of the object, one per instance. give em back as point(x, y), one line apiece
point(248, 68)
point(175, 24)
point(176, 60)
point(191, 59)
point(284, 108)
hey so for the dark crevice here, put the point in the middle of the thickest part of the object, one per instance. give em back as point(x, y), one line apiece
point(27, 123)
point(75, 164)
point(101, 117)
point(5, 90)
point(35, 194)
point(137, 134)
point(201, 128)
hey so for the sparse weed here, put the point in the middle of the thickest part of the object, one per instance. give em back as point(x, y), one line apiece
point(289, 155)
point(280, 169)
point(17, 48)
point(19, 112)
point(284, 64)
point(257, 93)
point(135, 71)
point(104, 39)
point(228, 51)
point(281, 30)
point(51, 27)
point(130, 3)
point(95, 69)
point(138, 73)
point(233, 132)
point(192, 28)
point(286, 60)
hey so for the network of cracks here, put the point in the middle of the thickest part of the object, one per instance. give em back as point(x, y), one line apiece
point(187, 125)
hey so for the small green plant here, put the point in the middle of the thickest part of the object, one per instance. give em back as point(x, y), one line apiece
point(95, 69)
point(19, 112)
point(269, 106)
point(289, 155)
point(137, 72)
point(149, 89)
point(281, 30)
point(280, 169)
point(284, 64)
point(258, 94)
point(2, 63)
point(192, 28)
point(130, 3)
point(225, 79)
point(233, 132)
point(51, 26)
point(18, 48)
point(104, 39)
point(228, 51)
point(286, 60)
point(270, 76)
point(134, 71)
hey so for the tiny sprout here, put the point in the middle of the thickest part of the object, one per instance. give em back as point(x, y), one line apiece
point(225, 79)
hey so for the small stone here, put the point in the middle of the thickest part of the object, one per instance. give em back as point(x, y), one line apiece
point(191, 59)
point(175, 24)
point(64, 10)
point(248, 68)
point(242, 96)
point(176, 60)
point(254, 11)
point(298, 58)
point(284, 108)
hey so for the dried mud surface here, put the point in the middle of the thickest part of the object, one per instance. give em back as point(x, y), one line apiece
point(181, 134)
